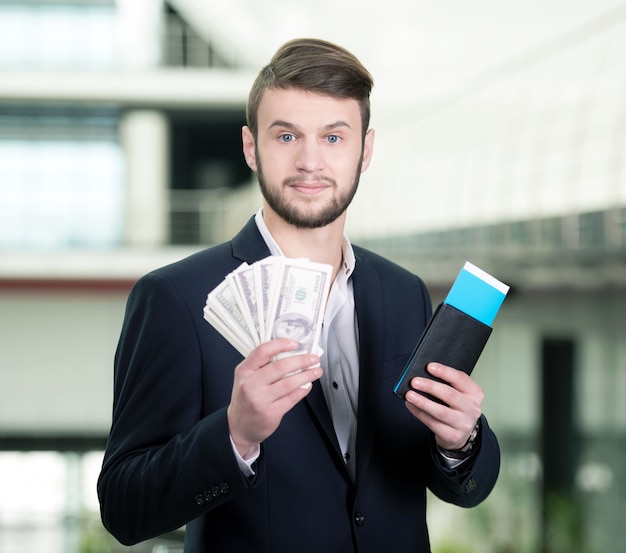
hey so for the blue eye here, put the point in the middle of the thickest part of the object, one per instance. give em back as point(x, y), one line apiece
point(333, 138)
point(287, 137)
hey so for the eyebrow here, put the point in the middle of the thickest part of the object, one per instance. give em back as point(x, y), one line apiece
point(292, 126)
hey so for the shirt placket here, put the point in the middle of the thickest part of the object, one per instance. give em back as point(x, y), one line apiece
point(335, 385)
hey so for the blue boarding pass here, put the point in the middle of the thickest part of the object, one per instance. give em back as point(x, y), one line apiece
point(477, 294)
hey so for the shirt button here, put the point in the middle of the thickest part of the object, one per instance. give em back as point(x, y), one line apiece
point(335, 385)
point(359, 519)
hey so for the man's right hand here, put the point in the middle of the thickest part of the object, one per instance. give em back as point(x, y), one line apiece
point(264, 390)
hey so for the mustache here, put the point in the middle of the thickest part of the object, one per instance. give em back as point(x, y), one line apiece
point(290, 181)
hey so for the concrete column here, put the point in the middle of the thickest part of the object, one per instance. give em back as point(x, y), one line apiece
point(73, 501)
point(144, 137)
point(139, 26)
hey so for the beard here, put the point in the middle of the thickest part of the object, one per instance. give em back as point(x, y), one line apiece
point(299, 216)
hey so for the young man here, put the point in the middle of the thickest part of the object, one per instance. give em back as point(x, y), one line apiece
point(257, 455)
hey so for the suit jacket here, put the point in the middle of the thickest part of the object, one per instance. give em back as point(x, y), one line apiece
point(169, 460)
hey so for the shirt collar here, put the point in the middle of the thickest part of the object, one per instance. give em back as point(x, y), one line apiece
point(347, 263)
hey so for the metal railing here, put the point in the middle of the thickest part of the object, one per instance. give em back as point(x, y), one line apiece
point(589, 233)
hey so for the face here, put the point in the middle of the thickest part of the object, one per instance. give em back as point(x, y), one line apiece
point(308, 155)
point(296, 330)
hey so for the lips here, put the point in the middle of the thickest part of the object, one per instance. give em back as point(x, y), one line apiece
point(309, 187)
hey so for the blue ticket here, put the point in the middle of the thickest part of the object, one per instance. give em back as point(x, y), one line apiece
point(477, 293)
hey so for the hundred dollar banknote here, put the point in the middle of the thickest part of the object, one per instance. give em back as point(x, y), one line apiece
point(241, 281)
point(223, 311)
point(297, 310)
point(274, 297)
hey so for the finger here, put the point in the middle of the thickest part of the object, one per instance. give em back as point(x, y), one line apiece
point(431, 409)
point(284, 380)
point(263, 354)
point(289, 365)
point(278, 379)
point(294, 387)
point(448, 382)
point(313, 372)
point(443, 391)
point(306, 362)
point(456, 378)
point(450, 427)
point(302, 377)
point(439, 417)
point(424, 416)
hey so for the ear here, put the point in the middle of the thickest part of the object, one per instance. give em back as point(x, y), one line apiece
point(249, 152)
point(368, 149)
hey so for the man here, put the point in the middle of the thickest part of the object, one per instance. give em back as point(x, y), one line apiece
point(258, 455)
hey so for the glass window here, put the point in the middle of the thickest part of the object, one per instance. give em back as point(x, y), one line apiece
point(49, 503)
point(60, 194)
point(53, 36)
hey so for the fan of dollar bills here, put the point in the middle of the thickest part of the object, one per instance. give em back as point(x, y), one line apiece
point(276, 297)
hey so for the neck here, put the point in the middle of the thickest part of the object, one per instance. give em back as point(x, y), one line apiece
point(321, 245)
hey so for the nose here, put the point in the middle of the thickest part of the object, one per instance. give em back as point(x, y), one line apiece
point(310, 158)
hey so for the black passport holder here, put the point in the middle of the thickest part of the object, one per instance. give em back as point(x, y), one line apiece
point(451, 338)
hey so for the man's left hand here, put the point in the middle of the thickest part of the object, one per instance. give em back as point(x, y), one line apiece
point(453, 422)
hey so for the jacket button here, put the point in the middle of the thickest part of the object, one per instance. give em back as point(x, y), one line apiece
point(199, 499)
point(359, 519)
point(471, 485)
point(224, 489)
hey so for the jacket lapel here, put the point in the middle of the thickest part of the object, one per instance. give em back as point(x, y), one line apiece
point(318, 407)
point(368, 302)
point(369, 309)
point(248, 244)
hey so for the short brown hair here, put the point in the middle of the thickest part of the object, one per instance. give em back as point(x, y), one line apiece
point(317, 66)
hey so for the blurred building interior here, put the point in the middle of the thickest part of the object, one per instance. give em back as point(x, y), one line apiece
point(501, 139)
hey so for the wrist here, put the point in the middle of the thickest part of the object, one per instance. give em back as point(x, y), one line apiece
point(245, 450)
point(244, 447)
point(466, 449)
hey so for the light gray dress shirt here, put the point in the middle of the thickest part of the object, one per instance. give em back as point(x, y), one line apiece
point(340, 343)
point(340, 360)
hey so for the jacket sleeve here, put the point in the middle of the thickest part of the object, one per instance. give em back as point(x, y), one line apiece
point(471, 482)
point(164, 464)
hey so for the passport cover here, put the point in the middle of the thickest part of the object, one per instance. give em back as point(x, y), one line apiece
point(452, 338)
point(477, 293)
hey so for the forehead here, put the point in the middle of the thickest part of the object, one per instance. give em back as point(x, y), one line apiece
point(307, 109)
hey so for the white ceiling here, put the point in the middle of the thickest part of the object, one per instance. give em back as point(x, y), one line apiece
point(422, 46)
point(500, 110)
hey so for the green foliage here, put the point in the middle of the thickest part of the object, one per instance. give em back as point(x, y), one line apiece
point(453, 547)
point(564, 525)
point(94, 538)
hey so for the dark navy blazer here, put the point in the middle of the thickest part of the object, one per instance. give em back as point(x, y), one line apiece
point(169, 461)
